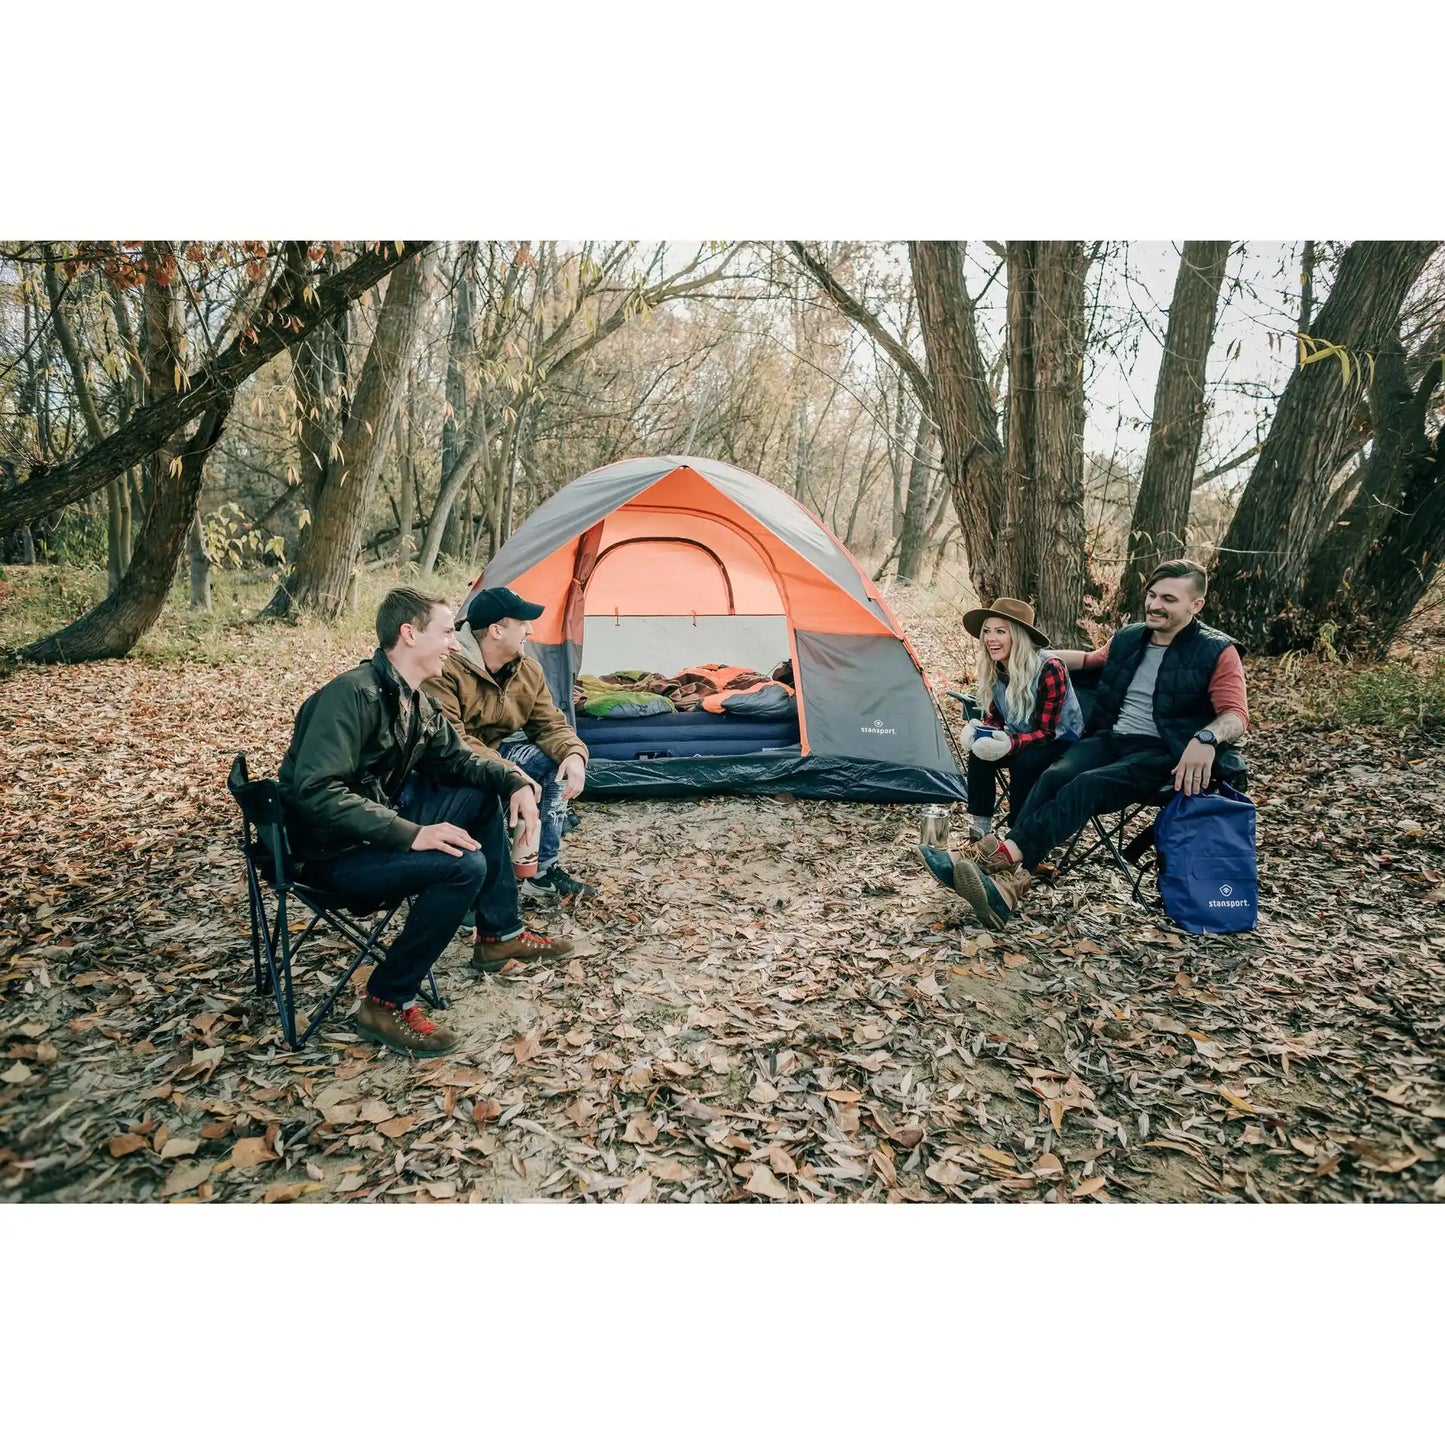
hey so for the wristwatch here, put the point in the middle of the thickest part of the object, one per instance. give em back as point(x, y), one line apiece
point(1206, 735)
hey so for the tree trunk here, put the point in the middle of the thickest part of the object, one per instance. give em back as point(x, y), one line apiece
point(460, 353)
point(320, 373)
point(1161, 512)
point(280, 322)
point(1374, 563)
point(958, 392)
point(913, 535)
point(113, 628)
point(1041, 540)
point(406, 478)
point(451, 489)
point(200, 564)
point(320, 582)
point(117, 508)
point(1399, 569)
point(1267, 549)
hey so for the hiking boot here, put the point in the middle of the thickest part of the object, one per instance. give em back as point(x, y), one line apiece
point(492, 954)
point(569, 821)
point(992, 857)
point(556, 885)
point(991, 890)
point(403, 1030)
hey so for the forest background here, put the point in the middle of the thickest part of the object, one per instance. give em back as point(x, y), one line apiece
point(1126, 121)
point(1044, 419)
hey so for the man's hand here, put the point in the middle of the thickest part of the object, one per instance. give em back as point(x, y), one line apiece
point(1193, 770)
point(523, 808)
point(572, 775)
point(444, 838)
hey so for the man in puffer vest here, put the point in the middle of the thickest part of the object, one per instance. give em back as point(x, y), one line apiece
point(1171, 692)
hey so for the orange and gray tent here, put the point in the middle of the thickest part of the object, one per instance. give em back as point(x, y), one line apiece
point(662, 564)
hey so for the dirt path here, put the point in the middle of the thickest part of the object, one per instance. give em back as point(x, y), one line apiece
point(771, 1000)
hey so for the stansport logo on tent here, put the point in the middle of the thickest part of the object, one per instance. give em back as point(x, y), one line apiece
point(877, 727)
point(1225, 900)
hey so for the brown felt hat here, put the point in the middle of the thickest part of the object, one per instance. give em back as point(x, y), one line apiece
point(1013, 610)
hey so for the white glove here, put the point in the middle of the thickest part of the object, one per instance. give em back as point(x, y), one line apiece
point(992, 746)
point(970, 732)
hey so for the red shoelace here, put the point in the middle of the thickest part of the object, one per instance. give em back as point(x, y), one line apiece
point(418, 1020)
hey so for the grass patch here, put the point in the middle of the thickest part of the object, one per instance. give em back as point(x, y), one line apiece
point(1408, 701)
point(36, 601)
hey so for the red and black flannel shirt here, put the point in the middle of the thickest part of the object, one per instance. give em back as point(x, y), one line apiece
point(1053, 686)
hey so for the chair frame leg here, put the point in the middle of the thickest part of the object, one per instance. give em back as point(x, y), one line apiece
point(274, 954)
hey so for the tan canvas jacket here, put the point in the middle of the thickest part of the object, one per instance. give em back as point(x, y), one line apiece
point(486, 710)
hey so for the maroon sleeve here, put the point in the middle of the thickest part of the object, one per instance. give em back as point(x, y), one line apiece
point(1226, 685)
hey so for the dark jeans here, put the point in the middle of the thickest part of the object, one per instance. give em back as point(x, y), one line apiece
point(442, 889)
point(1023, 768)
point(1100, 774)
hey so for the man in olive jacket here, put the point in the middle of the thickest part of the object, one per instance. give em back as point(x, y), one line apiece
point(1170, 694)
point(490, 690)
point(384, 800)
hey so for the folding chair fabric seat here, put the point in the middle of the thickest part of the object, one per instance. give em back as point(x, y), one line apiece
point(269, 867)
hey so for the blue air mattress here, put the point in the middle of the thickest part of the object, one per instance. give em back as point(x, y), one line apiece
point(695, 734)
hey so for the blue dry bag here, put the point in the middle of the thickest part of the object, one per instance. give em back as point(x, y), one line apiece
point(1207, 874)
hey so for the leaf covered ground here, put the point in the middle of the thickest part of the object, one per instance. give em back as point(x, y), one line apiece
point(770, 999)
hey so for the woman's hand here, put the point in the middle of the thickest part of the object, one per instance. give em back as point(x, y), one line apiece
point(991, 747)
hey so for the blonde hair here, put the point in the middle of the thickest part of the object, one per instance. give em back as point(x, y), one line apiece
point(1023, 666)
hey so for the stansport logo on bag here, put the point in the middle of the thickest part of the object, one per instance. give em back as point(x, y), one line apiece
point(877, 727)
point(1225, 901)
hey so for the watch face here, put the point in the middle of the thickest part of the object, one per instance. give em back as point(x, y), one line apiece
point(1205, 735)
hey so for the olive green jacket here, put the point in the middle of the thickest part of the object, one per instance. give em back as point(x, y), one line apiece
point(351, 753)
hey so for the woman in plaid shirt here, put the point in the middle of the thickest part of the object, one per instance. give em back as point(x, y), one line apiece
point(1030, 713)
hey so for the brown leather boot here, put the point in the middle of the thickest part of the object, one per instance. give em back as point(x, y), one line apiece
point(991, 855)
point(992, 888)
point(403, 1030)
point(491, 955)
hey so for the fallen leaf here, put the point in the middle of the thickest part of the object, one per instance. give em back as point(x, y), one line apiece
point(998, 1156)
point(124, 1144)
point(247, 1153)
point(640, 1129)
point(185, 1177)
point(395, 1128)
point(179, 1148)
point(638, 1189)
point(763, 1181)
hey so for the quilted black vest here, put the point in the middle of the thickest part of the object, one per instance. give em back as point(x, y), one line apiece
point(1181, 692)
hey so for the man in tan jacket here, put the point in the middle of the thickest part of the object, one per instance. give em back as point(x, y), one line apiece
point(491, 690)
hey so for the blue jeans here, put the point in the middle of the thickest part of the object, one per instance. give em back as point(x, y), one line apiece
point(442, 889)
point(553, 807)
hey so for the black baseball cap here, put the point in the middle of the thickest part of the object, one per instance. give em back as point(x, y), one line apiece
point(492, 604)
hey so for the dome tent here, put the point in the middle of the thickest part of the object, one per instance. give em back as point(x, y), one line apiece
point(664, 563)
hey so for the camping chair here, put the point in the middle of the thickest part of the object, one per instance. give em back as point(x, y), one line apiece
point(273, 952)
point(1112, 830)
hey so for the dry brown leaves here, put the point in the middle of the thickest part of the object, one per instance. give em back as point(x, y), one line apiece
point(771, 1000)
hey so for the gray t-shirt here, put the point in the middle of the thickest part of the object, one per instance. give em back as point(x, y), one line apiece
point(1136, 714)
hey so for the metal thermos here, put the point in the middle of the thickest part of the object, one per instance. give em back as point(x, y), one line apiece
point(933, 828)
